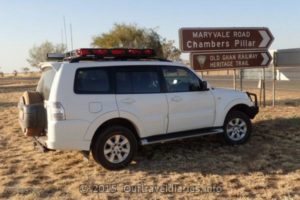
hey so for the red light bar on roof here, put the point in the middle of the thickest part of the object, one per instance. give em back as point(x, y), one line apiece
point(114, 53)
point(148, 52)
point(100, 52)
point(135, 52)
point(82, 52)
point(118, 52)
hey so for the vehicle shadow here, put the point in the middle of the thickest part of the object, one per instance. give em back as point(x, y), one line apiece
point(285, 102)
point(272, 148)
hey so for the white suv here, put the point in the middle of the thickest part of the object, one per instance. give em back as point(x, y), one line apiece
point(108, 102)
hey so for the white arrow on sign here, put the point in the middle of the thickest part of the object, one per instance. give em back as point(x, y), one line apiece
point(266, 38)
point(265, 58)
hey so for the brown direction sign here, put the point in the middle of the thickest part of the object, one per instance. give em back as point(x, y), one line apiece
point(220, 39)
point(230, 60)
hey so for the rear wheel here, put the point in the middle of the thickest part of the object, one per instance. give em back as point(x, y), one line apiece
point(237, 128)
point(115, 147)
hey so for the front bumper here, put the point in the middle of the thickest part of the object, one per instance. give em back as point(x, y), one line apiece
point(253, 110)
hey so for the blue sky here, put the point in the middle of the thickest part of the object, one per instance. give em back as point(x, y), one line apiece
point(31, 22)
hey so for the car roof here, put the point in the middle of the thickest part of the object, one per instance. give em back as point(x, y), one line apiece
point(57, 65)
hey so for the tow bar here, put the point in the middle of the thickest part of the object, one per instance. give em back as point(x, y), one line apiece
point(42, 147)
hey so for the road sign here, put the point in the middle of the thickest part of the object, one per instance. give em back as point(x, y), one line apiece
point(221, 39)
point(230, 60)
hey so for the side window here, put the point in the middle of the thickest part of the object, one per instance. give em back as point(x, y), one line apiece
point(92, 81)
point(137, 82)
point(123, 83)
point(180, 80)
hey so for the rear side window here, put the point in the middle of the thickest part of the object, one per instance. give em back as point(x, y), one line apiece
point(45, 82)
point(92, 81)
point(137, 82)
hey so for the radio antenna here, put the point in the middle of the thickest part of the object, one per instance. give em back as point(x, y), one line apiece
point(62, 36)
point(65, 33)
point(71, 34)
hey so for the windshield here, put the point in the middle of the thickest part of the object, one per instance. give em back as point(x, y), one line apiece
point(45, 82)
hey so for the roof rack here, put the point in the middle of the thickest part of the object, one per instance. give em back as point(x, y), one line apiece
point(78, 59)
point(102, 54)
point(119, 54)
point(55, 56)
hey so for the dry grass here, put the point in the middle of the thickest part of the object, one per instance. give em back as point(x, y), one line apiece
point(268, 167)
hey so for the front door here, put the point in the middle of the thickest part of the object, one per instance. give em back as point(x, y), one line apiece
point(189, 107)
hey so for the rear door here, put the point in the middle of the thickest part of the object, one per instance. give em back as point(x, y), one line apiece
point(140, 98)
point(189, 107)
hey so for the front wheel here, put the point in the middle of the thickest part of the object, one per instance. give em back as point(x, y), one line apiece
point(237, 128)
point(115, 148)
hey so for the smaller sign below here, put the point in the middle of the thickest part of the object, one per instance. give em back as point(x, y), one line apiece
point(229, 60)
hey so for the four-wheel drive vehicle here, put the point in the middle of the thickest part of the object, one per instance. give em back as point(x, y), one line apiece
point(109, 101)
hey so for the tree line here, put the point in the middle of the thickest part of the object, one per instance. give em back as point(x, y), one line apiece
point(120, 36)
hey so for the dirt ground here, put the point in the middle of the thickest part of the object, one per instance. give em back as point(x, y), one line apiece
point(267, 167)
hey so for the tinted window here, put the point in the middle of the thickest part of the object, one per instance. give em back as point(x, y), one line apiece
point(124, 83)
point(137, 82)
point(92, 81)
point(45, 82)
point(180, 80)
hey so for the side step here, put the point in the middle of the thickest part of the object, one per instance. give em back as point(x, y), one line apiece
point(179, 135)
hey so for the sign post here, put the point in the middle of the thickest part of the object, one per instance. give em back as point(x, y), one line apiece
point(241, 79)
point(274, 77)
point(274, 84)
point(234, 79)
point(264, 87)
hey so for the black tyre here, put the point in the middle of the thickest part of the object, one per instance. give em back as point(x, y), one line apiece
point(237, 128)
point(115, 147)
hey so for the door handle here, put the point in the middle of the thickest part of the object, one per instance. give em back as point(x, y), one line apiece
point(128, 101)
point(176, 98)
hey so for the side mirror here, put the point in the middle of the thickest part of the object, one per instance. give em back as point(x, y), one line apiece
point(204, 86)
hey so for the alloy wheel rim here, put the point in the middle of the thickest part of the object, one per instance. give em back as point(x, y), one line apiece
point(116, 148)
point(236, 129)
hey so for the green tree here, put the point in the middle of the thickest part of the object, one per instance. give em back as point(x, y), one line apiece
point(132, 36)
point(25, 69)
point(38, 54)
point(170, 52)
point(15, 73)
